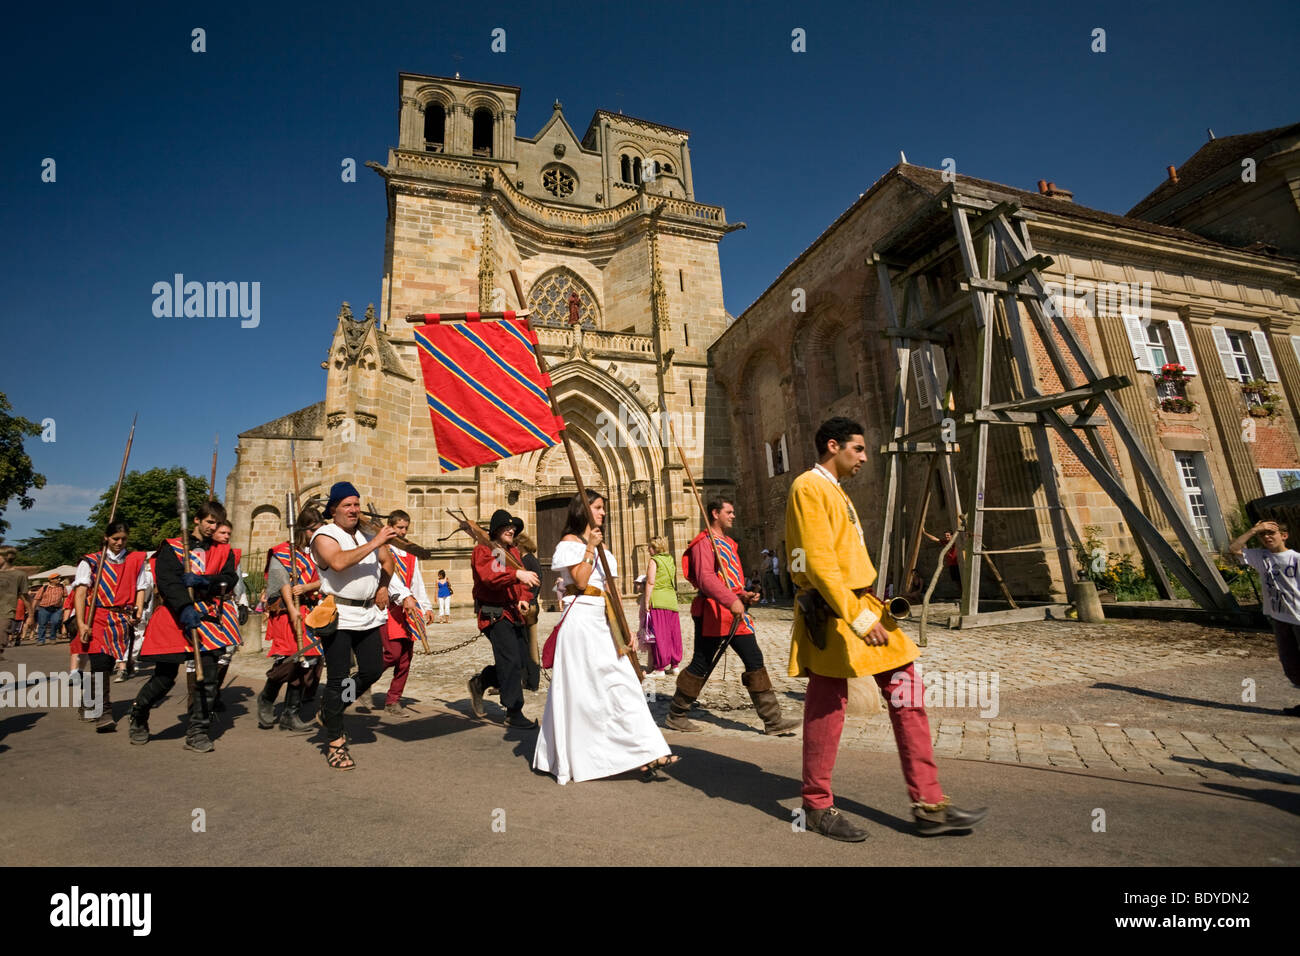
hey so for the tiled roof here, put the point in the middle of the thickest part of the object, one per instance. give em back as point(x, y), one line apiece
point(1209, 159)
point(304, 424)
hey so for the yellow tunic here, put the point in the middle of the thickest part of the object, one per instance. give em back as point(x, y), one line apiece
point(827, 553)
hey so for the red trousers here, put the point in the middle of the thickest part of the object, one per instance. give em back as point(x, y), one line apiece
point(823, 722)
point(397, 655)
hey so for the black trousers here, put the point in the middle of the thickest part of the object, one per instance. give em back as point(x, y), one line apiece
point(164, 678)
point(339, 648)
point(511, 664)
point(746, 645)
point(285, 670)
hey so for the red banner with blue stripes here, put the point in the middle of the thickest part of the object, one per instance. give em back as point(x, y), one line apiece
point(487, 396)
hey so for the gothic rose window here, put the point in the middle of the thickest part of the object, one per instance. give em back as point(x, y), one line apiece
point(549, 300)
point(558, 181)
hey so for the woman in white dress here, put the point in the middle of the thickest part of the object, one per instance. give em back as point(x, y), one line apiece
point(596, 723)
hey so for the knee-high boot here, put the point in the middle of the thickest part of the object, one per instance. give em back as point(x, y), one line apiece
point(688, 690)
point(759, 685)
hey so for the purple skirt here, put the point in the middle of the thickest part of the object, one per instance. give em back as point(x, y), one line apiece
point(665, 634)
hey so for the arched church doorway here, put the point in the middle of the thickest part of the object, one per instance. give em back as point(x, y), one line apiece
point(552, 512)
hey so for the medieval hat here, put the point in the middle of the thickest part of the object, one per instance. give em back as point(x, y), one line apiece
point(518, 522)
point(500, 519)
point(338, 491)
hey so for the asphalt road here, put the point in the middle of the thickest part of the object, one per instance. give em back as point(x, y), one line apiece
point(447, 789)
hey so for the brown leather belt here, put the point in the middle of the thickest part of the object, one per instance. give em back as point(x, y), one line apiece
point(353, 602)
point(572, 591)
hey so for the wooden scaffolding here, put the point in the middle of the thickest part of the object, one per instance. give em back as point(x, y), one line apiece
point(986, 236)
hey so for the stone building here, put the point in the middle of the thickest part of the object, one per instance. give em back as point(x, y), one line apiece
point(608, 220)
point(1215, 290)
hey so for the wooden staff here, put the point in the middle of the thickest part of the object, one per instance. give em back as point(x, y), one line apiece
point(183, 512)
point(212, 482)
point(112, 513)
point(623, 641)
point(295, 620)
point(717, 554)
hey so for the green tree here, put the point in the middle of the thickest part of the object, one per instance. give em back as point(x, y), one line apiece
point(51, 547)
point(148, 505)
point(16, 474)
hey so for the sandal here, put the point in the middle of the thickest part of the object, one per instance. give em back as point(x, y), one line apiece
point(338, 757)
point(661, 762)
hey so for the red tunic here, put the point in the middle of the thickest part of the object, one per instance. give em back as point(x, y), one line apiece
point(700, 567)
point(495, 584)
point(279, 631)
point(396, 626)
point(163, 635)
point(111, 630)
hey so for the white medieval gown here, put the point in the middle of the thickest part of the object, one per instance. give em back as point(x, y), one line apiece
point(597, 722)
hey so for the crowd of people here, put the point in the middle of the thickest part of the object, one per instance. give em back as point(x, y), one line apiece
point(345, 603)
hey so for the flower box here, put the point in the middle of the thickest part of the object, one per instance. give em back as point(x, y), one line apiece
point(1172, 372)
point(1177, 405)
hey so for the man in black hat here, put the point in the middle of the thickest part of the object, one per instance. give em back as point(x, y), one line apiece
point(501, 598)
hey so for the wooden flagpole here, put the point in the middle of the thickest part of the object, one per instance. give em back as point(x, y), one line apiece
point(423, 318)
point(212, 481)
point(623, 641)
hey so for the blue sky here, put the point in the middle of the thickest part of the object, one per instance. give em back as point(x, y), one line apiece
point(224, 165)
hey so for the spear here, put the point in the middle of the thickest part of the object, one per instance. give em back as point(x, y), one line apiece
point(717, 555)
point(112, 513)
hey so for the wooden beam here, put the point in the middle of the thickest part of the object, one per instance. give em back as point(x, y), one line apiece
point(1004, 417)
point(1043, 612)
point(917, 447)
point(1038, 403)
point(916, 333)
point(1016, 273)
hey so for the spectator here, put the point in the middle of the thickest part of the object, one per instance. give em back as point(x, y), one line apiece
point(1279, 573)
point(444, 599)
point(48, 600)
point(660, 624)
point(13, 584)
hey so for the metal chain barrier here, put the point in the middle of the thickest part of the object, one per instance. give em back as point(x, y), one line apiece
point(455, 647)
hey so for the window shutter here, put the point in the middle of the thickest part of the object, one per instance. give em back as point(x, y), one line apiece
point(1224, 348)
point(1295, 346)
point(1265, 355)
point(1137, 342)
point(768, 445)
point(785, 459)
point(922, 386)
point(1182, 345)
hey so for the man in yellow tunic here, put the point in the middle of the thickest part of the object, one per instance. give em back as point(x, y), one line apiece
point(841, 630)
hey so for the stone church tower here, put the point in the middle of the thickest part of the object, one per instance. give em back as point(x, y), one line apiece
point(606, 225)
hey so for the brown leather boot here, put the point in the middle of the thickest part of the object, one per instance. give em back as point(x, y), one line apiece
point(759, 685)
point(688, 689)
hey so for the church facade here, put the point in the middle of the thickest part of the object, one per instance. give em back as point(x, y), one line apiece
point(602, 228)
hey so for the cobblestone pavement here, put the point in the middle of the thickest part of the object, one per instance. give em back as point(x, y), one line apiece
point(1139, 696)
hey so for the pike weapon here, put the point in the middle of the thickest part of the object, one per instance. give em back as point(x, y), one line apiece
point(295, 618)
point(212, 482)
point(183, 512)
point(112, 513)
point(717, 554)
